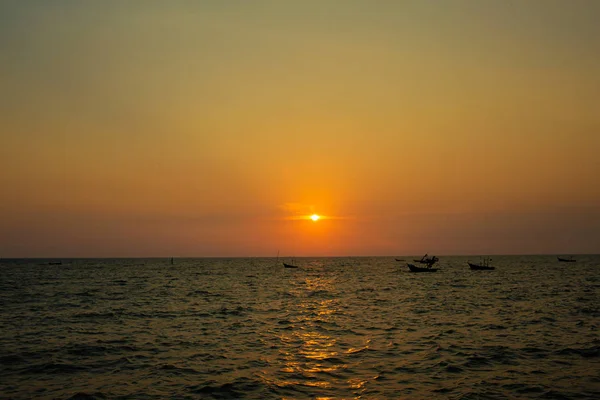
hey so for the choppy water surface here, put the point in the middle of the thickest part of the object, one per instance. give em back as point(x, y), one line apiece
point(336, 328)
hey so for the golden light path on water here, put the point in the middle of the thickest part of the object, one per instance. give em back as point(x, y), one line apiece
point(311, 354)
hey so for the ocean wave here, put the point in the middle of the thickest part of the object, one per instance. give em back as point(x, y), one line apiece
point(11, 359)
point(54, 368)
point(96, 315)
point(177, 370)
point(237, 389)
point(453, 369)
point(88, 396)
point(591, 352)
point(239, 310)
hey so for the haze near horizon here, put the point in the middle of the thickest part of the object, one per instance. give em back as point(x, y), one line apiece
point(219, 128)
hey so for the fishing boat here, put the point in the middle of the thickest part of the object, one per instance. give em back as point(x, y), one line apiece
point(571, 259)
point(484, 265)
point(429, 261)
point(414, 268)
point(289, 265)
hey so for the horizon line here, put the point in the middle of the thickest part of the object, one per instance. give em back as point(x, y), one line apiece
point(290, 256)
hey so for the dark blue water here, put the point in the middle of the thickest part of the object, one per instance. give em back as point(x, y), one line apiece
point(336, 328)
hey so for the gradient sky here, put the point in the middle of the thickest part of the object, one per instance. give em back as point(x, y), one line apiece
point(208, 128)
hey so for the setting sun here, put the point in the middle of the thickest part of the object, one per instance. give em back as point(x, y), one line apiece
point(315, 217)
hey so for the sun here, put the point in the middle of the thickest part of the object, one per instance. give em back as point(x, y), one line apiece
point(315, 217)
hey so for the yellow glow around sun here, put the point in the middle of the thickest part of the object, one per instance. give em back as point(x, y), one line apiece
point(315, 217)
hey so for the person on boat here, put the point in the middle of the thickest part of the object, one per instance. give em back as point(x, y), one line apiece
point(431, 261)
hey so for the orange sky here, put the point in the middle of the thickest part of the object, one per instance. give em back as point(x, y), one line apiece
point(201, 129)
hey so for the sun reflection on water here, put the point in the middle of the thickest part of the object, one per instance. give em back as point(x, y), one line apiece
point(315, 351)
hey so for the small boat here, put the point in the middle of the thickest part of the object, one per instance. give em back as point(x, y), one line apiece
point(571, 259)
point(55, 263)
point(399, 259)
point(429, 261)
point(414, 268)
point(482, 266)
point(289, 265)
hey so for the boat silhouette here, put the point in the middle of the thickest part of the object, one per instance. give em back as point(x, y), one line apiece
point(571, 259)
point(484, 265)
point(414, 268)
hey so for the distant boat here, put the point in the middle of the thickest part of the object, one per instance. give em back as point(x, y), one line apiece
point(55, 263)
point(482, 266)
point(414, 268)
point(571, 259)
point(429, 261)
point(289, 265)
point(399, 259)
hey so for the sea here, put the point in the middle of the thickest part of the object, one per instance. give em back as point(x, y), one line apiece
point(334, 328)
